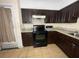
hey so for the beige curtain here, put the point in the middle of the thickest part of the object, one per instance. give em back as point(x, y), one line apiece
point(6, 26)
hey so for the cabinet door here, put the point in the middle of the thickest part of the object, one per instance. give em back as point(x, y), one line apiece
point(27, 39)
point(68, 46)
point(76, 50)
point(59, 40)
point(70, 13)
point(26, 16)
point(65, 44)
point(51, 37)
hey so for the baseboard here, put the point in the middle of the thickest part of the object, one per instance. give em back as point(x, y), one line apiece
point(7, 45)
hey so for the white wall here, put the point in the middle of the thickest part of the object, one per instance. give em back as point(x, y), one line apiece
point(16, 19)
point(45, 4)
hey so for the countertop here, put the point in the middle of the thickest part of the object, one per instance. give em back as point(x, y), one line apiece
point(27, 30)
point(61, 30)
point(64, 31)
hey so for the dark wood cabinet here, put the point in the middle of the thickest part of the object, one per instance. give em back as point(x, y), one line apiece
point(76, 50)
point(70, 13)
point(51, 15)
point(26, 16)
point(64, 44)
point(27, 39)
point(68, 44)
point(51, 37)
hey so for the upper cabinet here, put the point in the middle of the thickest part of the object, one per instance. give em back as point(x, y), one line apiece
point(26, 16)
point(68, 14)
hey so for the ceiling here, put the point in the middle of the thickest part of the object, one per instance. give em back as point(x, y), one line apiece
point(46, 4)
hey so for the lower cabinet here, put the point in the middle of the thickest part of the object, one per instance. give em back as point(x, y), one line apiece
point(68, 45)
point(76, 50)
point(27, 39)
point(51, 37)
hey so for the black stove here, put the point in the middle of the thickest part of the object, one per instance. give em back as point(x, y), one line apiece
point(39, 36)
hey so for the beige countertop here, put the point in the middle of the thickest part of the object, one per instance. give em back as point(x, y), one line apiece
point(61, 30)
point(66, 32)
point(27, 30)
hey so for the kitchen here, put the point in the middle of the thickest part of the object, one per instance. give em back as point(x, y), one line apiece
point(60, 22)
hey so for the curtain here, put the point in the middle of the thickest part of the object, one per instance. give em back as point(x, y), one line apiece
point(6, 26)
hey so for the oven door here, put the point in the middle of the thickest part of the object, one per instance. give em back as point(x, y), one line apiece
point(40, 39)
